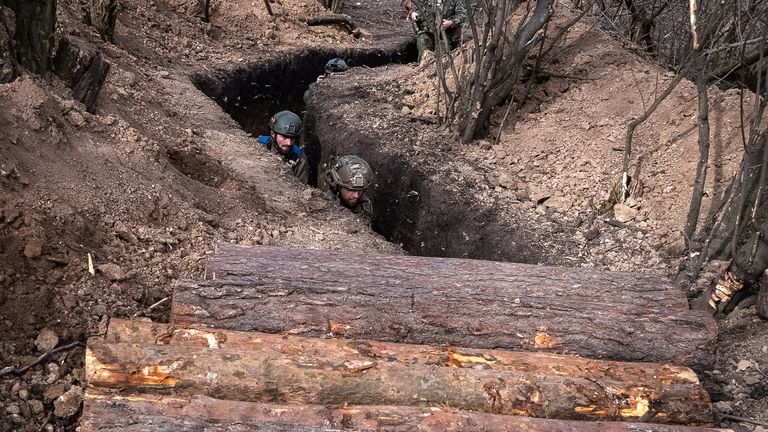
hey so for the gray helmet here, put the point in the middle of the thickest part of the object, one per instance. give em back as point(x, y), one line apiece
point(286, 123)
point(335, 65)
point(350, 172)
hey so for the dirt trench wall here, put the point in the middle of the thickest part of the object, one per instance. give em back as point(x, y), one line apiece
point(252, 93)
point(415, 203)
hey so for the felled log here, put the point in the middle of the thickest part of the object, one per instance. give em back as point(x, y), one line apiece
point(149, 413)
point(82, 66)
point(336, 18)
point(619, 316)
point(290, 369)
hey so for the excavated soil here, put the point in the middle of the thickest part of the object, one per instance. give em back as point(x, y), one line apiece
point(148, 184)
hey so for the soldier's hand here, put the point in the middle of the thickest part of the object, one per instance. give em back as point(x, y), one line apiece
point(413, 16)
point(447, 24)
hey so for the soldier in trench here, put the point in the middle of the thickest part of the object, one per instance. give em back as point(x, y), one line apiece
point(334, 66)
point(348, 178)
point(452, 14)
point(285, 129)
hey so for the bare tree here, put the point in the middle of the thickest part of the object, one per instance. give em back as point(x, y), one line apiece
point(498, 61)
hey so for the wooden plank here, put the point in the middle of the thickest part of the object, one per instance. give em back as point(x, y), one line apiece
point(151, 413)
point(442, 301)
point(291, 369)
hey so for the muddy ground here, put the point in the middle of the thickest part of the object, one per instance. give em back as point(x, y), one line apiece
point(148, 184)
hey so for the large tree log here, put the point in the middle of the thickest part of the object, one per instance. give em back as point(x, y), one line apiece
point(299, 370)
point(82, 66)
point(647, 382)
point(148, 413)
point(445, 301)
point(296, 267)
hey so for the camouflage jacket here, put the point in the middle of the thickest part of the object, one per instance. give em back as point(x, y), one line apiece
point(454, 10)
point(295, 159)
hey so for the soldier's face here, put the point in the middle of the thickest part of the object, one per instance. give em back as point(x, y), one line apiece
point(284, 143)
point(350, 197)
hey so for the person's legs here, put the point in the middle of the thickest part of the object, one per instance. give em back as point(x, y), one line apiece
point(424, 42)
point(454, 36)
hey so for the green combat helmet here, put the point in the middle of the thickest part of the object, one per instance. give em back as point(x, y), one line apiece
point(286, 123)
point(350, 172)
point(335, 65)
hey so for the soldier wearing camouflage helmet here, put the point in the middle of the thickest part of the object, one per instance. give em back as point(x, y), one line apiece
point(452, 14)
point(348, 178)
point(285, 129)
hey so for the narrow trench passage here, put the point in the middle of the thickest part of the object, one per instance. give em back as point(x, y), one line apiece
point(422, 217)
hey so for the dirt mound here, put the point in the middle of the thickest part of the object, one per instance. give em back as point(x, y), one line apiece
point(140, 191)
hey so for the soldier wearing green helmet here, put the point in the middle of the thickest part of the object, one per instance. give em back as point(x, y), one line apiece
point(333, 66)
point(285, 129)
point(348, 178)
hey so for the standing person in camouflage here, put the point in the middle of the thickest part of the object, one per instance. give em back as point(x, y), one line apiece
point(286, 131)
point(452, 14)
point(348, 179)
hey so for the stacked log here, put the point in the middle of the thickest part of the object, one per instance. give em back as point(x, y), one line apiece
point(289, 369)
point(291, 352)
point(148, 413)
point(620, 316)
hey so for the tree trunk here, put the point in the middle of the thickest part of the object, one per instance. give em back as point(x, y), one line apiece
point(457, 302)
point(149, 413)
point(285, 373)
point(104, 17)
point(762, 297)
point(83, 67)
point(648, 381)
point(7, 31)
point(33, 39)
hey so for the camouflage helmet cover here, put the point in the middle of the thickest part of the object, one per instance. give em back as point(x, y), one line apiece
point(286, 123)
point(335, 65)
point(351, 172)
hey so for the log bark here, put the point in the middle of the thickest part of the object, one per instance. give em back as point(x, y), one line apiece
point(82, 66)
point(446, 301)
point(277, 369)
point(104, 18)
point(327, 268)
point(33, 37)
point(150, 413)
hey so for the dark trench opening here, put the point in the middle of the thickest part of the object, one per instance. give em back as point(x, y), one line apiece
point(423, 217)
point(251, 94)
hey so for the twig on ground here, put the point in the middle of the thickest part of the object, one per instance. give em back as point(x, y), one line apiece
point(149, 309)
point(20, 371)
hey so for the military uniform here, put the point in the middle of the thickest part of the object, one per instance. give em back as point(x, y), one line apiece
point(352, 173)
point(363, 209)
point(295, 159)
point(453, 10)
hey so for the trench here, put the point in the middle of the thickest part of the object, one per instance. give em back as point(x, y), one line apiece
point(424, 216)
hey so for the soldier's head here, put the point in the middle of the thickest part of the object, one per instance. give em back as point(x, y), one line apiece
point(335, 65)
point(286, 130)
point(348, 178)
